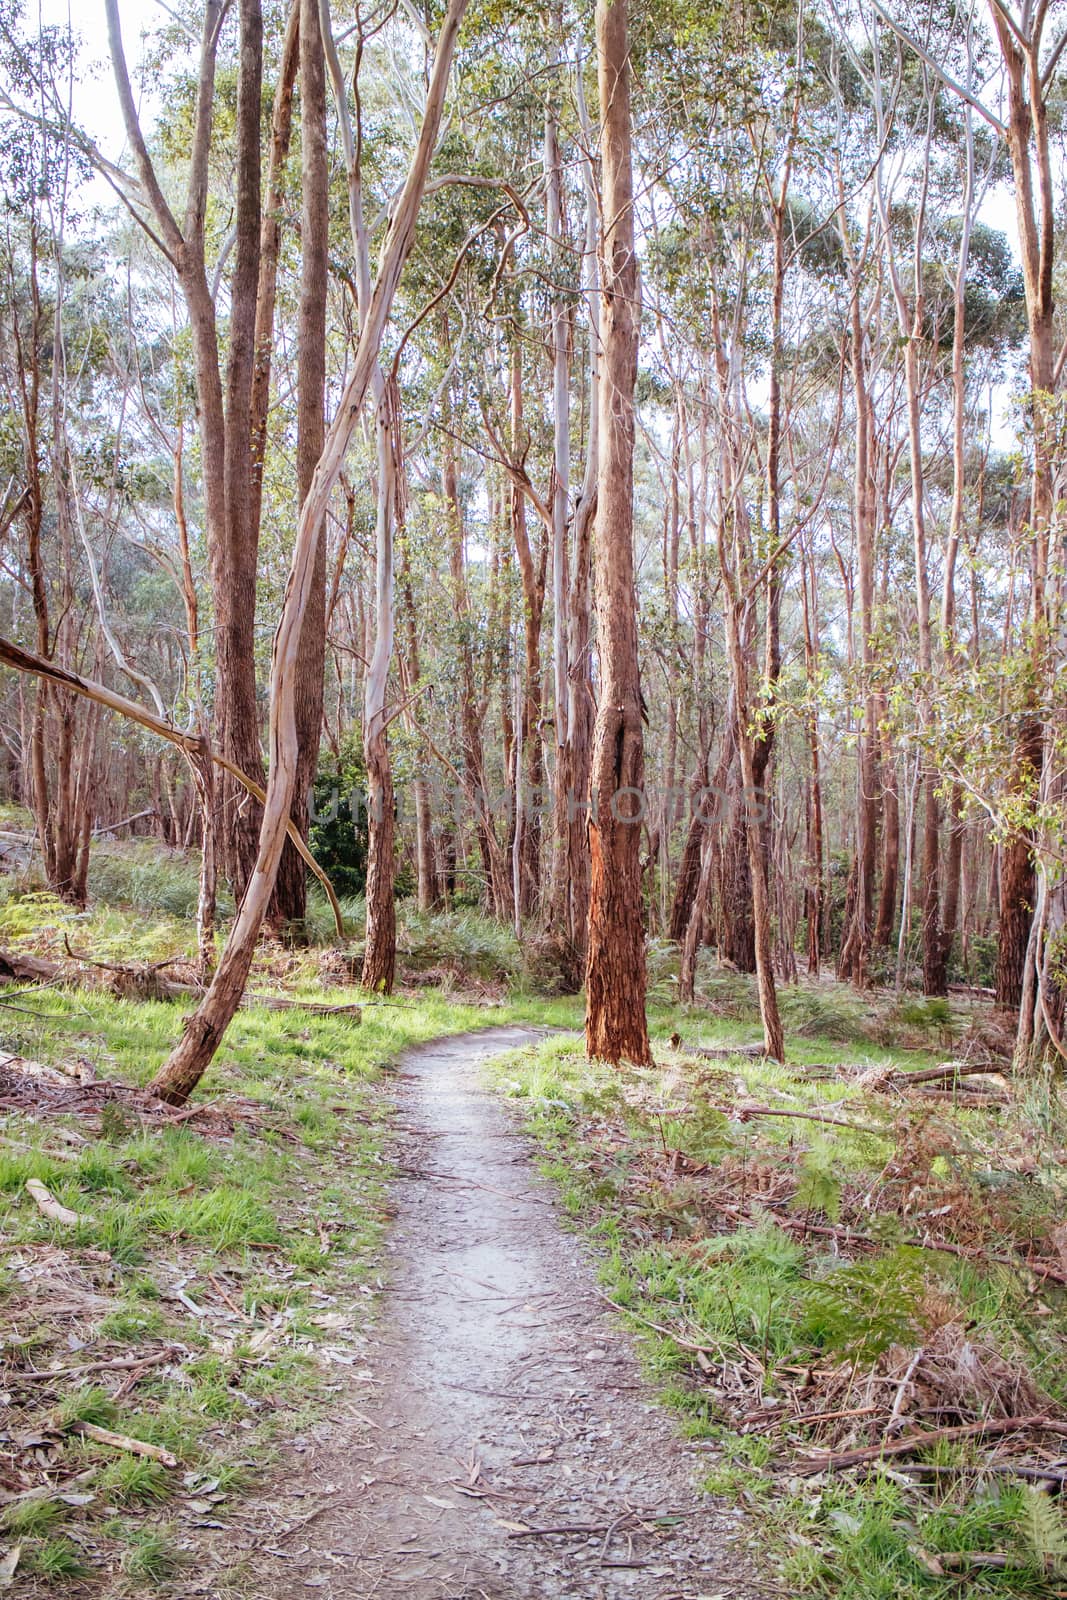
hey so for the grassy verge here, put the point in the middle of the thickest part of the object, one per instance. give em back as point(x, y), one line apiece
point(776, 1272)
point(215, 1289)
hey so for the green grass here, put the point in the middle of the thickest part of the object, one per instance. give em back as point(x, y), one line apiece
point(151, 1557)
point(30, 1519)
point(132, 1481)
point(261, 1225)
point(778, 1305)
point(57, 1561)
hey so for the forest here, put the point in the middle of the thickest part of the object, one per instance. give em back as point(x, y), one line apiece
point(533, 560)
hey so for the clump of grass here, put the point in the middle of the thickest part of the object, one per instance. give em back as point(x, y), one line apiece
point(132, 1481)
point(87, 1404)
point(817, 1014)
point(151, 1556)
point(137, 874)
point(465, 941)
point(224, 1218)
point(58, 1561)
point(30, 1519)
point(17, 1166)
point(131, 1322)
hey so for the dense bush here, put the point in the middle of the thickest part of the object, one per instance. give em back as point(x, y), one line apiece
point(338, 832)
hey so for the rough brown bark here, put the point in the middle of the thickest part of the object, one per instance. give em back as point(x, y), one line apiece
point(615, 1025)
point(290, 898)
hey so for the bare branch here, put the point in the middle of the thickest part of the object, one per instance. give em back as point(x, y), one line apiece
point(939, 71)
point(168, 226)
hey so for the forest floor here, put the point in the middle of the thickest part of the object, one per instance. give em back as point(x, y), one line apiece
point(225, 1371)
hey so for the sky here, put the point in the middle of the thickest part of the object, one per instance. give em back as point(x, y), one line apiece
point(97, 110)
point(96, 106)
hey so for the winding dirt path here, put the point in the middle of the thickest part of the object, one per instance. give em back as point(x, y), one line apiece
point(507, 1447)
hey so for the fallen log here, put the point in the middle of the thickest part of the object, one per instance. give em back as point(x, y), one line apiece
point(946, 1072)
point(18, 968)
point(145, 981)
point(745, 1112)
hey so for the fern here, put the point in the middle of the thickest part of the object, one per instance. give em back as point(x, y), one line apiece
point(1042, 1526)
point(863, 1309)
point(819, 1188)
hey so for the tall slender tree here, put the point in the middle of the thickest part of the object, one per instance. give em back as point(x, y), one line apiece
point(616, 1028)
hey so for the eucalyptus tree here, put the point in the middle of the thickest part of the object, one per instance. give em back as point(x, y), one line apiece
point(1031, 54)
point(616, 1028)
point(187, 1062)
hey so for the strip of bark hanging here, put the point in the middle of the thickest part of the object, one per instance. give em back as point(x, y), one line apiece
point(12, 655)
point(49, 1206)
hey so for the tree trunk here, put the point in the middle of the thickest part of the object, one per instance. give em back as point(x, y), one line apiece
point(577, 755)
point(379, 957)
point(428, 882)
point(561, 476)
point(234, 538)
point(185, 1066)
point(615, 1025)
point(290, 896)
point(855, 934)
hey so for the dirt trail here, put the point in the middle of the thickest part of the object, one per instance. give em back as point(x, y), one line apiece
point(500, 1372)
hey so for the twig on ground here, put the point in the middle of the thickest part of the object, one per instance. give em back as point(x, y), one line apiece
point(120, 1364)
point(122, 1441)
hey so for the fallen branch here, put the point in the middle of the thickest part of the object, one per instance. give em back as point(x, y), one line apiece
point(53, 1155)
point(1002, 1469)
point(119, 1364)
point(840, 1461)
point(960, 1560)
point(278, 1003)
point(113, 827)
point(752, 1052)
point(122, 1441)
point(11, 655)
point(18, 968)
point(945, 1073)
point(658, 1327)
point(1040, 1269)
point(49, 1206)
point(583, 1528)
point(744, 1113)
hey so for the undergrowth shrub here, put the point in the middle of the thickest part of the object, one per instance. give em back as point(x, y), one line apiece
point(150, 877)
